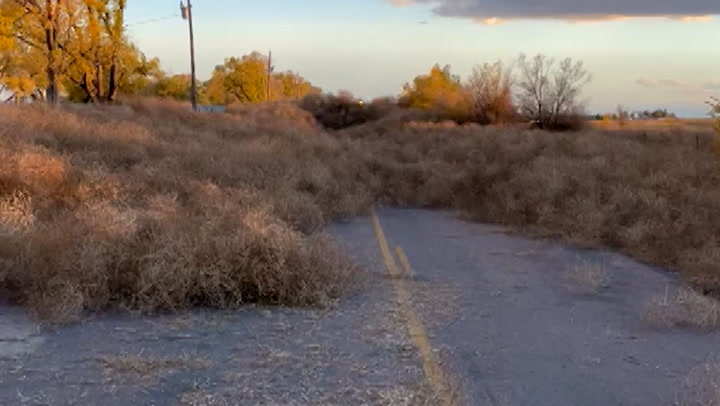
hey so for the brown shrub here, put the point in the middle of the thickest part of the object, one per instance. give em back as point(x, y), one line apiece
point(336, 112)
point(685, 308)
point(164, 208)
point(585, 278)
point(267, 113)
point(159, 207)
point(651, 198)
point(701, 386)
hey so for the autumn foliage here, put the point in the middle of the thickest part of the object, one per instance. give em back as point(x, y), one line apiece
point(440, 91)
point(78, 47)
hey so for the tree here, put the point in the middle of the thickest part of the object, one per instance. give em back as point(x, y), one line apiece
point(490, 88)
point(245, 80)
point(622, 115)
point(440, 91)
point(102, 55)
point(549, 91)
point(291, 86)
point(341, 110)
point(129, 72)
point(80, 45)
point(659, 113)
point(7, 44)
point(239, 80)
point(171, 87)
point(42, 26)
point(21, 66)
point(105, 62)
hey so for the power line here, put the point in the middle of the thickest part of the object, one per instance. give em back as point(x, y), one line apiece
point(154, 20)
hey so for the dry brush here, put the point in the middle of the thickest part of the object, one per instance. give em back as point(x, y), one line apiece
point(154, 207)
point(157, 208)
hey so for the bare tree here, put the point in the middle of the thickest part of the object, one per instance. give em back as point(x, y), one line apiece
point(548, 91)
point(490, 88)
point(533, 82)
point(623, 115)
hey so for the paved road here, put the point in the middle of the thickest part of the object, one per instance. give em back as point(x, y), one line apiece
point(485, 318)
point(512, 330)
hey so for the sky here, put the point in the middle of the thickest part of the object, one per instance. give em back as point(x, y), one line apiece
point(642, 54)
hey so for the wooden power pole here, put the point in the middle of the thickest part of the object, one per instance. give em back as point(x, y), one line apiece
point(270, 69)
point(187, 15)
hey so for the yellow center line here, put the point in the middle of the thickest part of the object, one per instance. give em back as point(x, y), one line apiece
point(404, 261)
point(431, 367)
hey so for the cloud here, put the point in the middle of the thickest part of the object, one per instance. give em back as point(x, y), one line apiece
point(674, 86)
point(673, 83)
point(498, 11)
point(646, 83)
point(712, 85)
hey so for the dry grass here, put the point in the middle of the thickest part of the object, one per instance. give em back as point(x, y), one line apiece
point(155, 207)
point(652, 198)
point(685, 308)
point(702, 386)
point(144, 368)
point(161, 209)
point(586, 278)
point(688, 126)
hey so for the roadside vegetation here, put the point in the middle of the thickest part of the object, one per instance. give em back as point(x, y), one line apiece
point(152, 207)
point(114, 194)
point(148, 206)
point(586, 278)
point(683, 308)
point(701, 386)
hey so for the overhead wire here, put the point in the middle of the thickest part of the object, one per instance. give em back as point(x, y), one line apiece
point(153, 20)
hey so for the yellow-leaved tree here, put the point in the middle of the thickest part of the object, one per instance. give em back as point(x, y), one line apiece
point(105, 62)
point(171, 87)
point(439, 91)
point(239, 80)
point(291, 86)
point(245, 80)
point(21, 69)
point(78, 46)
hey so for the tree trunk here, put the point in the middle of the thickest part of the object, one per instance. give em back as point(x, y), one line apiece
point(112, 84)
point(88, 87)
point(52, 91)
point(100, 83)
point(540, 114)
point(51, 29)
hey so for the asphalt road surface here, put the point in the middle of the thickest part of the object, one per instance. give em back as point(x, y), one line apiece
point(459, 314)
point(512, 329)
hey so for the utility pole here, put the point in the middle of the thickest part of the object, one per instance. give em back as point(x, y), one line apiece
point(270, 69)
point(187, 15)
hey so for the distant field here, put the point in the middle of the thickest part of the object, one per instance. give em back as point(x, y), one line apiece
point(155, 207)
point(690, 126)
